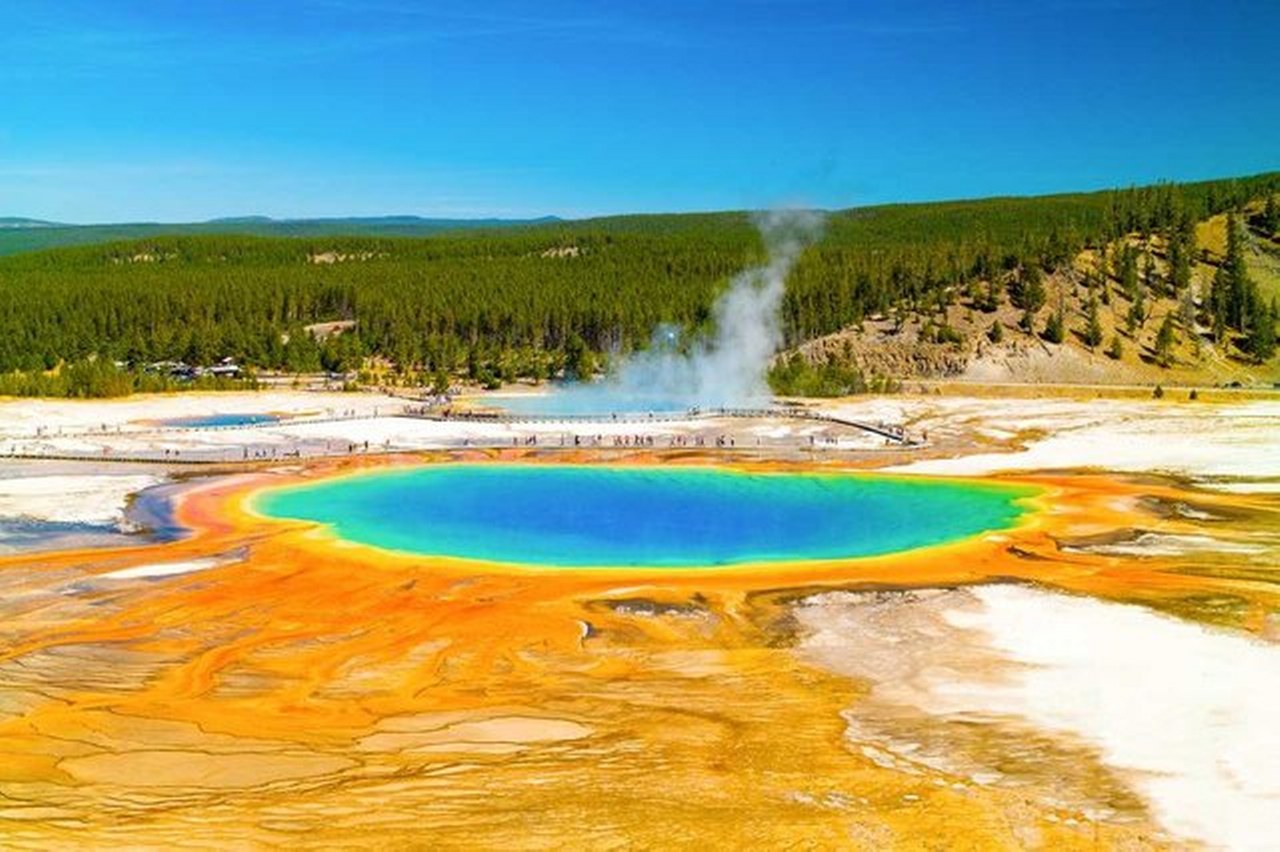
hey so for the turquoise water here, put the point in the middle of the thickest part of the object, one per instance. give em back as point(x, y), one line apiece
point(575, 516)
point(212, 421)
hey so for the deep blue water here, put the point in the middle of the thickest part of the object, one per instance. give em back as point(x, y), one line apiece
point(209, 421)
point(574, 516)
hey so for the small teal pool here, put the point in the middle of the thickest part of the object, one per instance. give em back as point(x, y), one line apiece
point(600, 516)
point(213, 421)
point(588, 400)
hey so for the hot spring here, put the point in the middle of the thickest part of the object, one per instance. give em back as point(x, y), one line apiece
point(219, 421)
point(609, 516)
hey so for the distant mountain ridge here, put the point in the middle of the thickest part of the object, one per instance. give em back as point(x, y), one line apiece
point(23, 222)
point(21, 234)
point(486, 222)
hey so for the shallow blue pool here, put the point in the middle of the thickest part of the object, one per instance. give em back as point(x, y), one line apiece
point(213, 421)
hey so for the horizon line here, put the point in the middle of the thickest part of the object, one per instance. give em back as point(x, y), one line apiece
point(480, 217)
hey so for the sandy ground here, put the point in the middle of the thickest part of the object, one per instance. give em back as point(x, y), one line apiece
point(97, 499)
point(1182, 712)
point(1204, 442)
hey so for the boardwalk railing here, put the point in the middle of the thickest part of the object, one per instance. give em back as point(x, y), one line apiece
point(161, 428)
point(22, 447)
point(890, 432)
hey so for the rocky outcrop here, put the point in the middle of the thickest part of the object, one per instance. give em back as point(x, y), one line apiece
point(898, 358)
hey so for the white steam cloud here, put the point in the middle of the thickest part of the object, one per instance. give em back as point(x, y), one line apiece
point(724, 369)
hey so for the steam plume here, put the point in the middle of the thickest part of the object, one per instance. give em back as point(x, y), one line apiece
point(725, 369)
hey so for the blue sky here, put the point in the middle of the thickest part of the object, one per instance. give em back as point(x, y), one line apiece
point(188, 109)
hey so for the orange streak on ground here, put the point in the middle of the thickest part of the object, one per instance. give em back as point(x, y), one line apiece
point(329, 693)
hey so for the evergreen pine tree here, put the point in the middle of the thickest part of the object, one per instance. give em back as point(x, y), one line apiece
point(1239, 289)
point(1166, 338)
point(1093, 328)
point(993, 296)
point(1179, 264)
point(1031, 292)
point(1262, 338)
point(1150, 281)
point(1271, 215)
point(1128, 271)
point(1053, 327)
point(1028, 322)
point(1137, 315)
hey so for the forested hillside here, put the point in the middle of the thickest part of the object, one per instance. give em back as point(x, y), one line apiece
point(23, 235)
point(537, 300)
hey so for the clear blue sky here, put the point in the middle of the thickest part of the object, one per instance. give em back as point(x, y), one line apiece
point(188, 109)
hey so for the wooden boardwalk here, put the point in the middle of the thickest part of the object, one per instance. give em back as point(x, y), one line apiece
point(891, 433)
point(250, 453)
